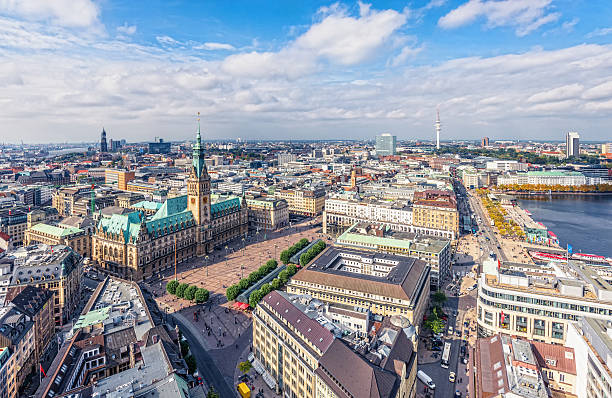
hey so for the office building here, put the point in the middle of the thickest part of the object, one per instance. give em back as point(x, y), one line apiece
point(305, 202)
point(572, 144)
point(159, 147)
point(379, 238)
point(511, 367)
point(385, 284)
point(103, 144)
point(485, 142)
point(302, 353)
point(554, 177)
point(283, 158)
point(606, 148)
point(8, 389)
point(55, 268)
point(17, 332)
point(118, 178)
point(49, 234)
point(436, 209)
point(385, 145)
point(65, 198)
point(267, 214)
point(539, 303)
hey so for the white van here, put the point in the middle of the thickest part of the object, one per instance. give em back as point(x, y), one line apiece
point(426, 379)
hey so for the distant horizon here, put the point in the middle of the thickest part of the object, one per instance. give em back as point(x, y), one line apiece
point(317, 69)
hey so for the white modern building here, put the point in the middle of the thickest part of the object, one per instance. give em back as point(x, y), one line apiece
point(572, 144)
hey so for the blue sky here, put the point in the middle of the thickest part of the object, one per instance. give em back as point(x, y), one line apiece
point(260, 69)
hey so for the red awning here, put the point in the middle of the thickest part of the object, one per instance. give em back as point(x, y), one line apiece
point(243, 306)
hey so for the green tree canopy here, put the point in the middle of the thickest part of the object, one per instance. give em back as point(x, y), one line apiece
point(201, 295)
point(180, 290)
point(171, 286)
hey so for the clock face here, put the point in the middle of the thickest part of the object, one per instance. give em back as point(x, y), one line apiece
point(205, 199)
point(192, 201)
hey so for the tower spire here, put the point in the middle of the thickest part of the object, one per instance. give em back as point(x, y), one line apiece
point(199, 137)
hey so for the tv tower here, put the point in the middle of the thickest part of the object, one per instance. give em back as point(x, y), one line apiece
point(438, 127)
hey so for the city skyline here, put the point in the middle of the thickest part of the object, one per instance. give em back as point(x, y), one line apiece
point(504, 69)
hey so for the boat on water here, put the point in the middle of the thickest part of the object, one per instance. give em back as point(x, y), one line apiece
point(546, 257)
point(592, 258)
point(527, 212)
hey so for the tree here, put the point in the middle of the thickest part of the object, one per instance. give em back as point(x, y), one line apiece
point(190, 292)
point(272, 264)
point(284, 276)
point(232, 292)
point(212, 393)
point(276, 283)
point(191, 364)
point(435, 324)
point(184, 348)
point(284, 257)
point(304, 259)
point(245, 367)
point(291, 269)
point(201, 295)
point(243, 284)
point(180, 290)
point(265, 289)
point(439, 297)
point(171, 286)
point(254, 298)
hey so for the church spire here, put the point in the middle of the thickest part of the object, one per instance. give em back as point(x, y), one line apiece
point(198, 153)
point(198, 136)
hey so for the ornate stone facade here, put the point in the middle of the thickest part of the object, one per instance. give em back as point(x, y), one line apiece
point(137, 246)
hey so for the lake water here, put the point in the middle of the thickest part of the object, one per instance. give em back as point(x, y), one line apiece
point(585, 222)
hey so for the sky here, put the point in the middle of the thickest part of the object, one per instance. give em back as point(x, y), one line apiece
point(506, 69)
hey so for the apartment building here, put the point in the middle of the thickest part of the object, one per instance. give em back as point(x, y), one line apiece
point(306, 355)
point(379, 238)
point(385, 284)
point(17, 332)
point(305, 202)
point(540, 305)
point(267, 214)
point(554, 177)
point(13, 222)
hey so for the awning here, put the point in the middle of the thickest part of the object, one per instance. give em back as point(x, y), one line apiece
point(243, 306)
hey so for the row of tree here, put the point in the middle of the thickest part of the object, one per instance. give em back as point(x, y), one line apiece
point(307, 257)
point(234, 291)
point(187, 292)
point(555, 188)
point(286, 255)
point(275, 284)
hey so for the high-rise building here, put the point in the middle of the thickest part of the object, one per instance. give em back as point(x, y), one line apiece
point(606, 148)
point(284, 158)
point(572, 144)
point(485, 142)
point(438, 128)
point(159, 146)
point(385, 144)
point(103, 144)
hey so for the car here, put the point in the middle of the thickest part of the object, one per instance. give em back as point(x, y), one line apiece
point(458, 333)
point(451, 377)
point(450, 330)
point(436, 348)
point(457, 394)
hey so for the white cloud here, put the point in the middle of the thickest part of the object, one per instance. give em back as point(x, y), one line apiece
point(406, 53)
point(69, 13)
point(557, 94)
point(524, 15)
point(214, 46)
point(599, 32)
point(167, 41)
point(126, 29)
point(338, 38)
point(601, 91)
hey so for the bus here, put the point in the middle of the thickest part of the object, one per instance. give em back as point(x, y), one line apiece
point(446, 355)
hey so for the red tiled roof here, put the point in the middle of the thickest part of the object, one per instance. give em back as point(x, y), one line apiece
point(555, 357)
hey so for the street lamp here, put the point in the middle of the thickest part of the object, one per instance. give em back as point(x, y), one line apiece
point(226, 251)
point(275, 246)
point(206, 258)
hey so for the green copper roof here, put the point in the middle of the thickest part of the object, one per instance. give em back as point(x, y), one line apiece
point(171, 206)
point(92, 317)
point(147, 205)
point(56, 230)
point(198, 155)
point(127, 225)
point(220, 208)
